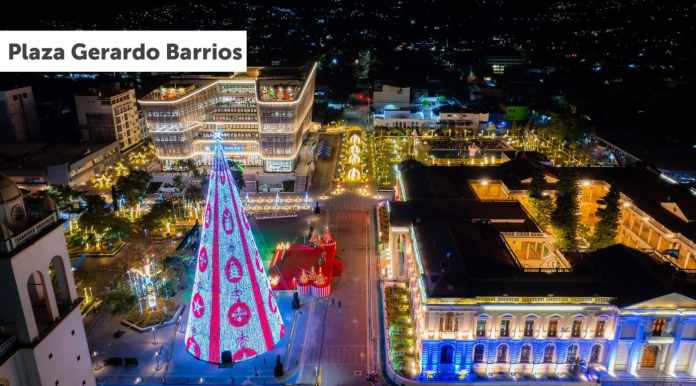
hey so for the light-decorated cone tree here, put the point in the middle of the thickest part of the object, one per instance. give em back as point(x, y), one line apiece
point(232, 305)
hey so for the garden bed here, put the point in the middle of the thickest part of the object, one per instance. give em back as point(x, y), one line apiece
point(401, 341)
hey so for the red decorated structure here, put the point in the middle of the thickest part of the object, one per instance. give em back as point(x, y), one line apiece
point(233, 308)
point(307, 268)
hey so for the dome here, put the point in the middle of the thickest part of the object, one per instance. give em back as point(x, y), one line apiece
point(8, 189)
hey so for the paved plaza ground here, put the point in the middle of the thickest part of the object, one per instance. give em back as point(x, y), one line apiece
point(161, 355)
point(163, 359)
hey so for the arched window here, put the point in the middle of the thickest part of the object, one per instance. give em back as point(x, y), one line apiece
point(552, 330)
point(446, 355)
point(529, 327)
point(59, 281)
point(548, 353)
point(595, 353)
point(572, 354)
point(501, 355)
point(526, 354)
point(478, 353)
point(36, 287)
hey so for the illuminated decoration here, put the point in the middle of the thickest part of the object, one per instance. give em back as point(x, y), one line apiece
point(103, 181)
point(355, 139)
point(308, 268)
point(142, 283)
point(121, 170)
point(353, 175)
point(232, 306)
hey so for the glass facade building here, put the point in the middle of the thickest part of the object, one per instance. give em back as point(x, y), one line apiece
point(262, 114)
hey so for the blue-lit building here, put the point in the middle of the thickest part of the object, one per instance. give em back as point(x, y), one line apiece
point(493, 298)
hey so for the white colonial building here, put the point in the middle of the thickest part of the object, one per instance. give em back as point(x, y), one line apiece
point(42, 336)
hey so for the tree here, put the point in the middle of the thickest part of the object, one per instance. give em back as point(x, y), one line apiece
point(121, 299)
point(95, 204)
point(102, 221)
point(158, 215)
point(133, 186)
point(63, 195)
point(541, 205)
point(566, 126)
point(608, 213)
point(536, 187)
point(565, 216)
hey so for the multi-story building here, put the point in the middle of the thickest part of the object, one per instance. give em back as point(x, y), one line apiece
point(391, 97)
point(492, 296)
point(262, 116)
point(35, 165)
point(19, 121)
point(109, 114)
point(42, 335)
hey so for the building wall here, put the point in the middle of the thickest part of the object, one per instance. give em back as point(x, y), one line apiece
point(19, 121)
point(390, 95)
point(110, 118)
point(54, 350)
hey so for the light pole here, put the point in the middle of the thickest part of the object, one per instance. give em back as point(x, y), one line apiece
point(154, 335)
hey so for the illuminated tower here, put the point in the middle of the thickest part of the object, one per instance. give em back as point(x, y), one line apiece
point(232, 305)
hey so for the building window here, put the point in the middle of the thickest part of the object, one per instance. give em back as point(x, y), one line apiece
point(505, 328)
point(572, 353)
point(526, 354)
point(478, 353)
point(575, 331)
point(529, 327)
point(446, 355)
point(595, 353)
point(599, 330)
point(658, 326)
point(449, 318)
point(501, 355)
point(481, 327)
point(553, 329)
point(548, 353)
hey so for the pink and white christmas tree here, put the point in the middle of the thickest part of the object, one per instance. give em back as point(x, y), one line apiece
point(232, 305)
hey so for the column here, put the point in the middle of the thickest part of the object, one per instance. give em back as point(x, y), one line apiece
point(636, 348)
point(673, 354)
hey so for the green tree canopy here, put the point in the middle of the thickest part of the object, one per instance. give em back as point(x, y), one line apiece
point(133, 186)
point(565, 216)
point(160, 213)
point(609, 212)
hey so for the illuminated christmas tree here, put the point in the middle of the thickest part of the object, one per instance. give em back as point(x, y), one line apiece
point(232, 305)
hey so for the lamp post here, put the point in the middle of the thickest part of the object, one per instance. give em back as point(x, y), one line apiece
point(154, 335)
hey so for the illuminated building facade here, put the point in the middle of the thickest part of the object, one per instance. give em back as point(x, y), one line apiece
point(263, 115)
point(492, 297)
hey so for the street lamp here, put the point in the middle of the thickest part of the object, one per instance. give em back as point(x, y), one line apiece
point(154, 335)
